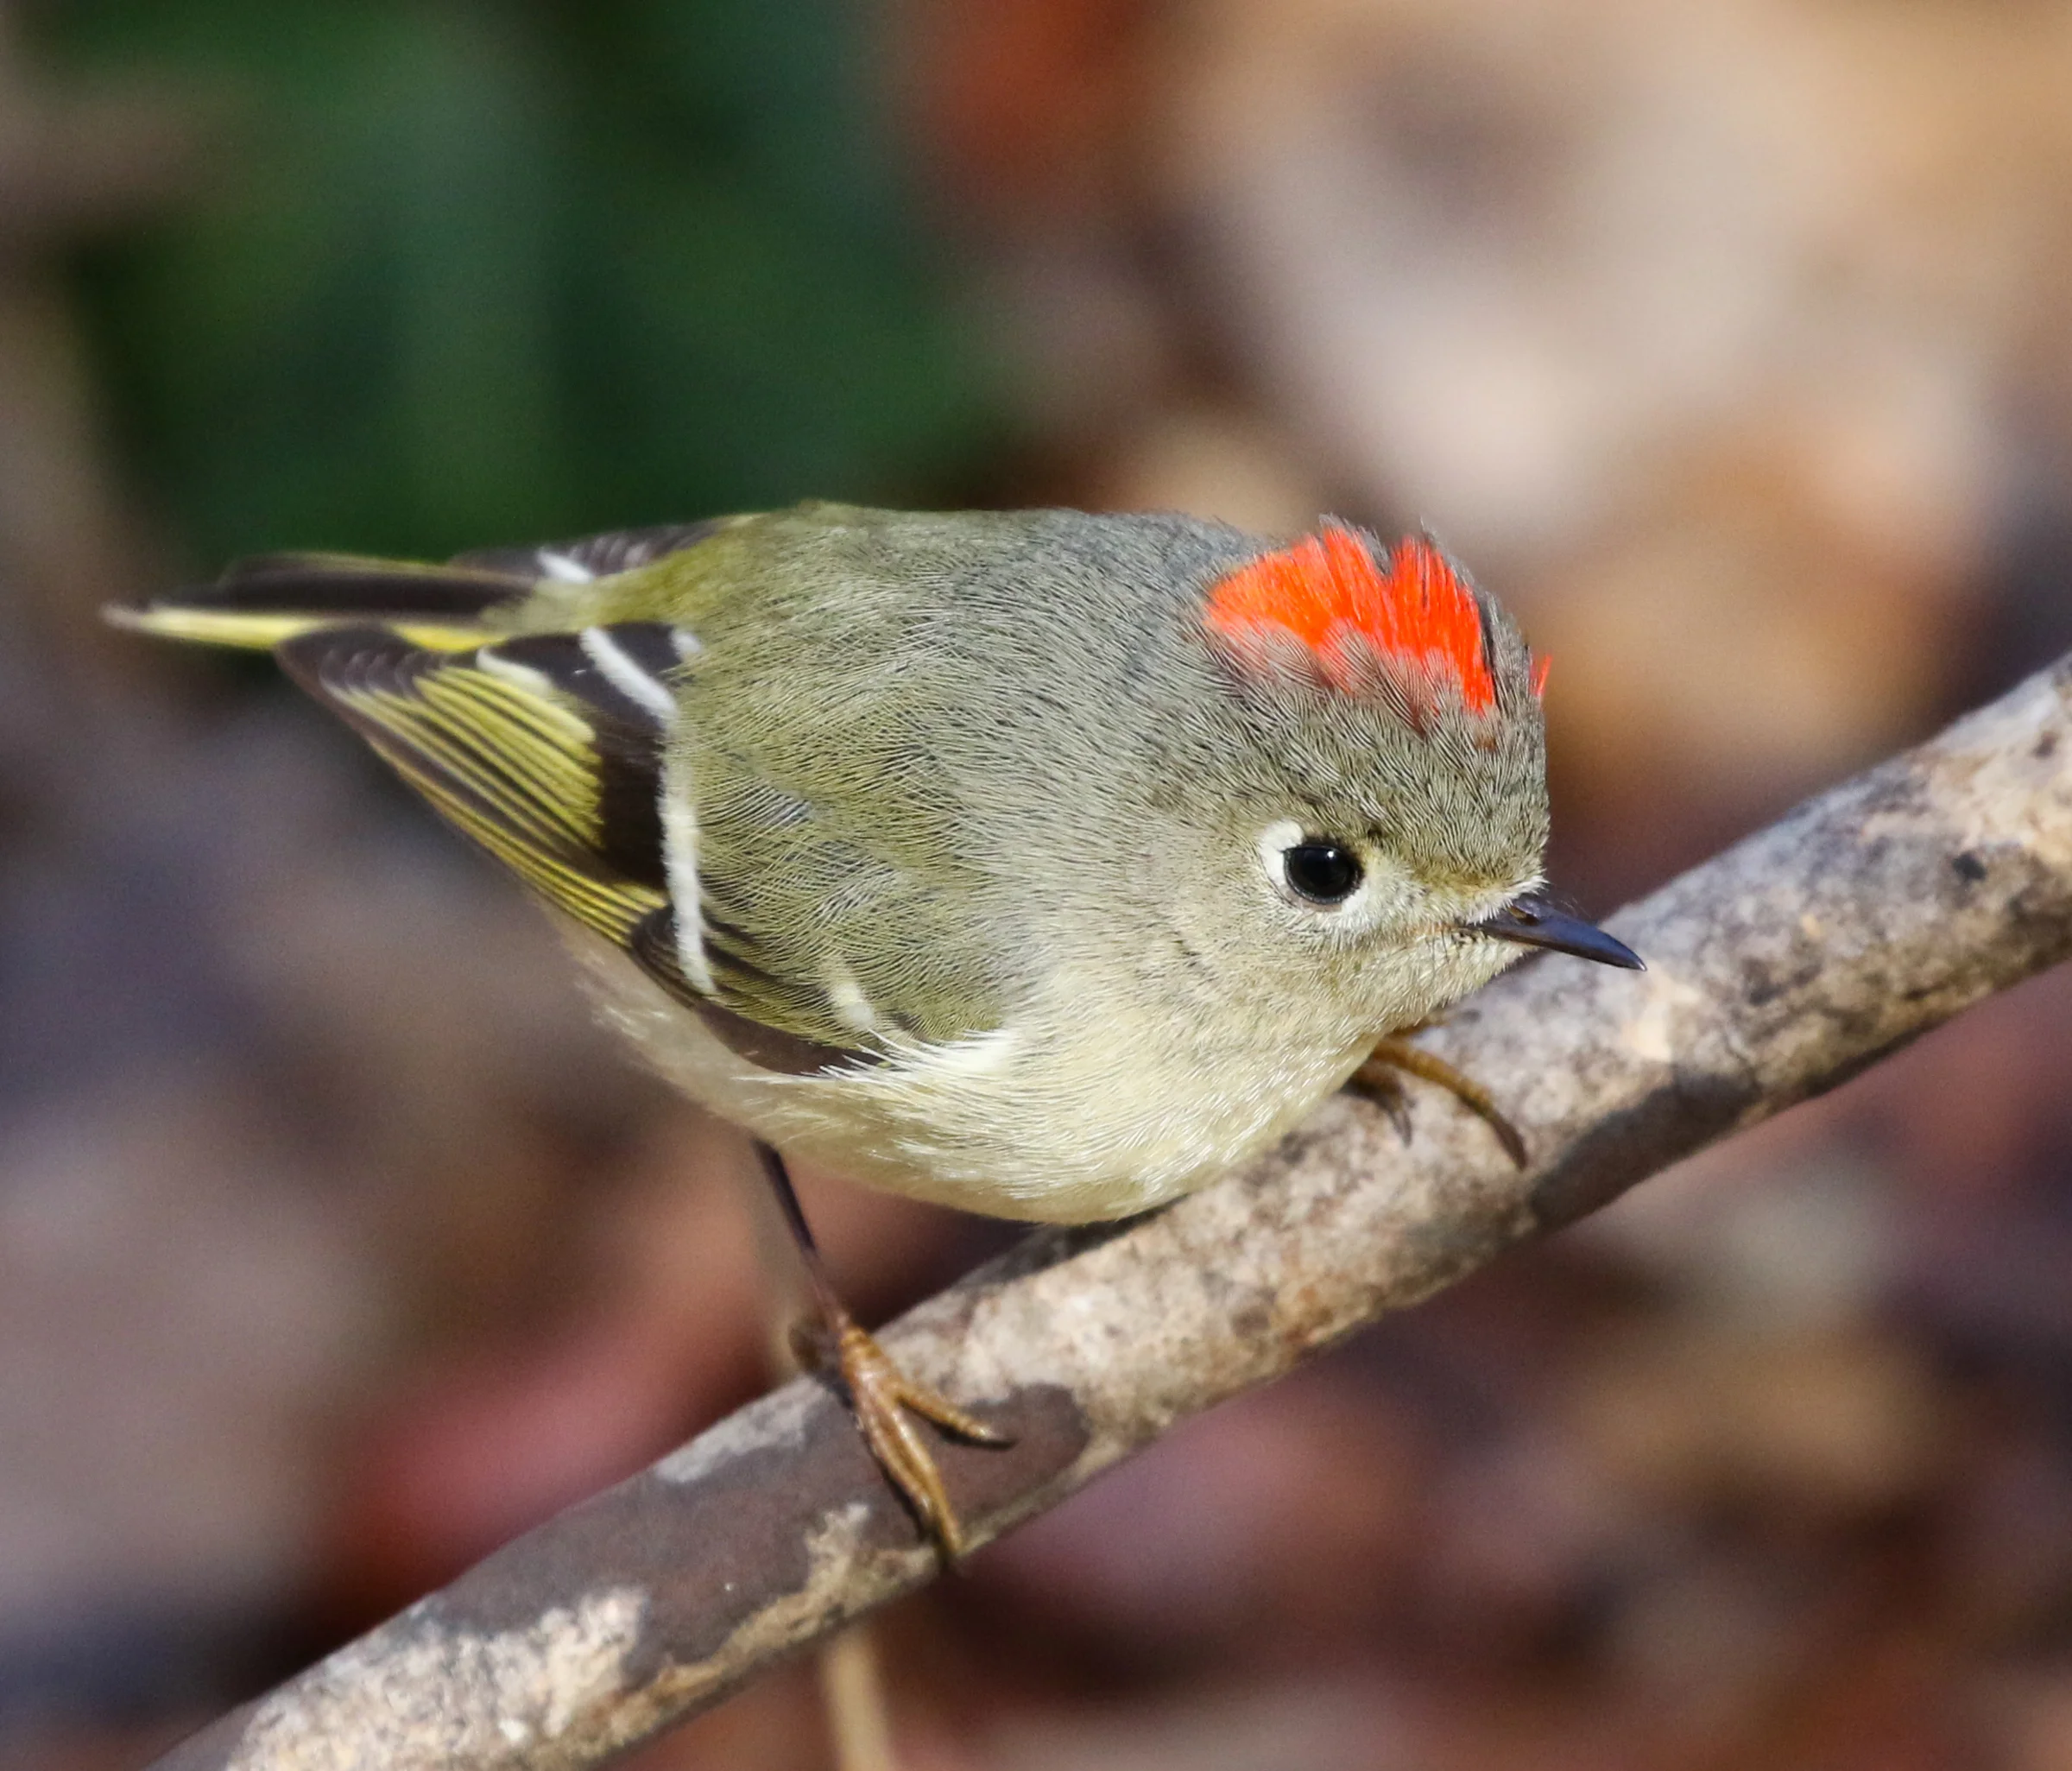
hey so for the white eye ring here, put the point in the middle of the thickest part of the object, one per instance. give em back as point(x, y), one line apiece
point(1314, 872)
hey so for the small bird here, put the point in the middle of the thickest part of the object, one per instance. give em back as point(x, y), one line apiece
point(1040, 864)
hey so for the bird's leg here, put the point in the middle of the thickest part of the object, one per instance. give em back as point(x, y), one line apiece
point(1381, 1079)
point(880, 1395)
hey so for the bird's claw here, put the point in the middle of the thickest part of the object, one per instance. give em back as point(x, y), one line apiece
point(1381, 1079)
point(884, 1399)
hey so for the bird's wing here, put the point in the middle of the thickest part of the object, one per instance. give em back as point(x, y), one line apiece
point(527, 745)
point(544, 747)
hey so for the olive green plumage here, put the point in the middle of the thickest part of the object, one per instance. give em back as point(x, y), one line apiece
point(947, 849)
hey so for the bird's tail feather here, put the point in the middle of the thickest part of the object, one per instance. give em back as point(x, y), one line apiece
point(260, 603)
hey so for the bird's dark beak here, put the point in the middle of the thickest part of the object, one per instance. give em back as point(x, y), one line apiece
point(1533, 922)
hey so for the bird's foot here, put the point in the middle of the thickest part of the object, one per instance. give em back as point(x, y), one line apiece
point(883, 1399)
point(1381, 1079)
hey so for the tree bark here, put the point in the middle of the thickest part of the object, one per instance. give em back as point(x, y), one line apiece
point(1775, 970)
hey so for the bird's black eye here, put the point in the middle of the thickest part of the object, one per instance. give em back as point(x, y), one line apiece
point(1321, 870)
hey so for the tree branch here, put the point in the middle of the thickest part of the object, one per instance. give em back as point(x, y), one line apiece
point(1777, 970)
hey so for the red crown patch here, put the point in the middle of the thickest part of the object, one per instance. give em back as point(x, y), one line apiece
point(1327, 591)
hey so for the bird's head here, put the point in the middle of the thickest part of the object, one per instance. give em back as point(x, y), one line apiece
point(1382, 810)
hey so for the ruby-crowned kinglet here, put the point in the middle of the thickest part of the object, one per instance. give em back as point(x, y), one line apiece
point(1040, 864)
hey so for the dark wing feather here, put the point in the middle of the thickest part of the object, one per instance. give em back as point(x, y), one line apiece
point(524, 746)
point(593, 556)
point(654, 945)
point(553, 764)
point(344, 584)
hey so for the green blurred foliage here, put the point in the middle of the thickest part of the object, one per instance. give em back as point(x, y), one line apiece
point(466, 272)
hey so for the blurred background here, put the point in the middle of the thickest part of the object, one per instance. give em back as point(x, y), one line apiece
point(1730, 341)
